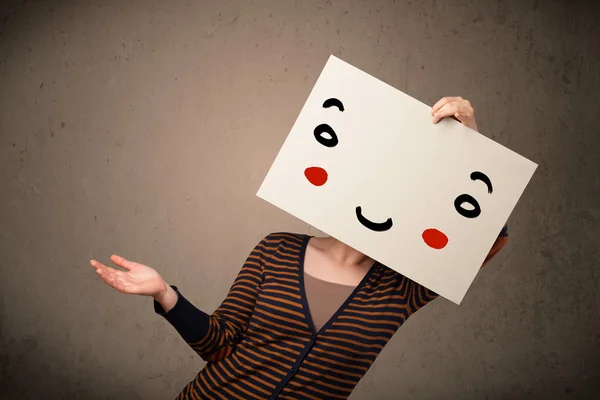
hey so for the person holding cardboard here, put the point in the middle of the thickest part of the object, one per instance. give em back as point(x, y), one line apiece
point(413, 212)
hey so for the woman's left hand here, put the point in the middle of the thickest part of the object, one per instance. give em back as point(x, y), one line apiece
point(456, 107)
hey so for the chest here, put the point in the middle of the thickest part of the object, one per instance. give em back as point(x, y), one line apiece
point(320, 266)
point(371, 313)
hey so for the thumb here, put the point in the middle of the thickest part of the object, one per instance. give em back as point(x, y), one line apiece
point(121, 262)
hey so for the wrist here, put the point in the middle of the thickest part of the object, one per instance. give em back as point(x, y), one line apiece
point(168, 299)
point(162, 293)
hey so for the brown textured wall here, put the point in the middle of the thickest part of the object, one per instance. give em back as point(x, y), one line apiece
point(144, 128)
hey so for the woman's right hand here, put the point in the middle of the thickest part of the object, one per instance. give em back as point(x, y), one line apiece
point(138, 279)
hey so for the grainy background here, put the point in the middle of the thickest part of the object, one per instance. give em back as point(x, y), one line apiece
point(144, 128)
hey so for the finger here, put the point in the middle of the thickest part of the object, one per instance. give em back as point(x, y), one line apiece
point(447, 110)
point(461, 111)
point(109, 275)
point(99, 267)
point(121, 262)
point(465, 113)
point(443, 101)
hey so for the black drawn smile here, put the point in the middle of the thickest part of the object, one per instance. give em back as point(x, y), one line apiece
point(374, 226)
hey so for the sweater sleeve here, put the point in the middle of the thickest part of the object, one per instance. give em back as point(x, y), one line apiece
point(214, 336)
point(500, 242)
point(419, 295)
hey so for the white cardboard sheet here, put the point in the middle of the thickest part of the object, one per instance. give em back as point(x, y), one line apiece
point(382, 178)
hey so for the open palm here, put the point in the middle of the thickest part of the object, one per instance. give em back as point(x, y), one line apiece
point(138, 279)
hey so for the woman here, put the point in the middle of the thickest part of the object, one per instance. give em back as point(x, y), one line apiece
point(304, 319)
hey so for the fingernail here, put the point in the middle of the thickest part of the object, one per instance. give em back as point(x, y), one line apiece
point(92, 262)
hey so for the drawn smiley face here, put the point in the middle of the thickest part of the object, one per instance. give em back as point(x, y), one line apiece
point(434, 238)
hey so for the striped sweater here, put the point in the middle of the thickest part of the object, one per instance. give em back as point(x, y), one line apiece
point(261, 342)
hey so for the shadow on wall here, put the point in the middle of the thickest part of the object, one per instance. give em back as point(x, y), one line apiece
point(35, 361)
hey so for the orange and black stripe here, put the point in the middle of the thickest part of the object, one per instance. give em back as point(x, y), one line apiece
point(261, 342)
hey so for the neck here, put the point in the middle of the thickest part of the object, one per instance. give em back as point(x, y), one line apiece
point(345, 254)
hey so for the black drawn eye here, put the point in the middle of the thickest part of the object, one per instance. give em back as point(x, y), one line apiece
point(472, 212)
point(475, 210)
point(326, 135)
point(333, 102)
point(480, 176)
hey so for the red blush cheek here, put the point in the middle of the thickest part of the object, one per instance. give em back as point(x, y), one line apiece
point(435, 239)
point(316, 175)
